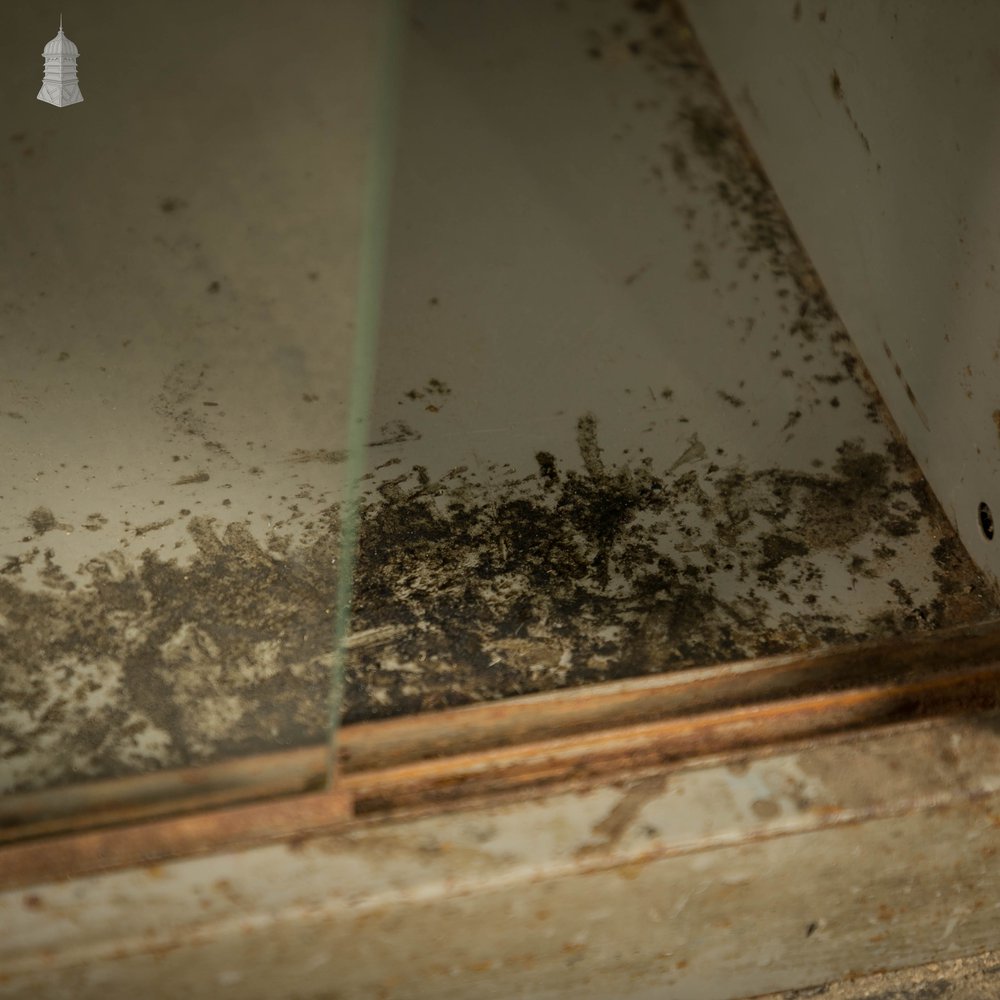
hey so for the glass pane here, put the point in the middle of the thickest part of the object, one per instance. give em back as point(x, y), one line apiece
point(623, 430)
point(180, 258)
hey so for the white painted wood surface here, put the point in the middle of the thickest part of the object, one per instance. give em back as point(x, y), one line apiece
point(719, 880)
point(877, 124)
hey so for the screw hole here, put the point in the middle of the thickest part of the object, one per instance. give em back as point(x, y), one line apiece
point(986, 521)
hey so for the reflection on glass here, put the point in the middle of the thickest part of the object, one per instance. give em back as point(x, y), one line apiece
point(180, 262)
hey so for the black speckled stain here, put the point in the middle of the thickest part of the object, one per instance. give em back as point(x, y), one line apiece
point(489, 587)
point(472, 587)
point(42, 520)
point(465, 590)
point(227, 654)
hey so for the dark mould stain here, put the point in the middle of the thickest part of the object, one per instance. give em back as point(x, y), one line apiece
point(490, 587)
point(793, 418)
point(434, 387)
point(910, 394)
point(194, 477)
point(630, 279)
point(547, 468)
point(394, 432)
point(63, 356)
point(14, 564)
point(732, 400)
point(694, 452)
point(468, 589)
point(775, 550)
point(154, 526)
point(501, 588)
point(679, 163)
point(902, 594)
point(228, 653)
point(214, 287)
point(325, 455)
point(171, 204)
point(590, 450)
point(488, 583)
point(699, 270)
point(838, 92)
point(174, 402)
point(95, 522)
point(42, 520)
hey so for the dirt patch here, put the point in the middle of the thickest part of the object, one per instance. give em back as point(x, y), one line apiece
point(159, 664)
point(42, 520)
point(574, 576)
point(465, 589)
point(194, 477)
point(484, 584)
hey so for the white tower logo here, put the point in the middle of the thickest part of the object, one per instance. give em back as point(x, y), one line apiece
point(59, 86)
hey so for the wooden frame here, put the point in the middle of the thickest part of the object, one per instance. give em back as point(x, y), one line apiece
point(526, 745)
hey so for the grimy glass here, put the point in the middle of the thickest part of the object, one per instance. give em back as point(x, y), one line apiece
point(188, 275)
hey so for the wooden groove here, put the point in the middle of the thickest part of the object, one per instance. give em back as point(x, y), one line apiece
point(597, 733)
point(144, 796)
point(623, 748)
point(375, 745)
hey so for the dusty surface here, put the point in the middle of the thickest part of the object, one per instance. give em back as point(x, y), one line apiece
point(729, 489)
